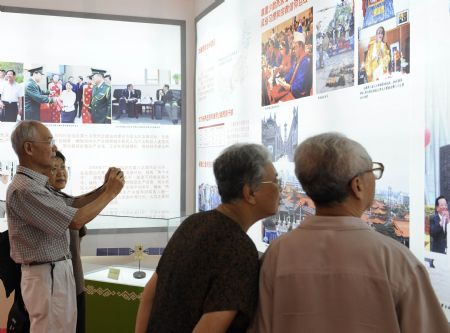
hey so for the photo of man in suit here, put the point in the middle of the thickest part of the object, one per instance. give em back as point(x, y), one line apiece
point(439, 226)
point(127, 102)
point(34, 96)
point(79, 93)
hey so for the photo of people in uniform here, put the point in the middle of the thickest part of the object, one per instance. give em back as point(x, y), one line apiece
point(36, 95)
point(286, 59)
point(335, 30)
point(100, 106)
point(63, 94)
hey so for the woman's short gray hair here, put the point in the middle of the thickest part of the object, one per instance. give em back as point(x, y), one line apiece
point(25, 130)
point(238, 165)
point(325, 164)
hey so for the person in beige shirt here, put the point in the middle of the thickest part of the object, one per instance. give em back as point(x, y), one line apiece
point(334, 273)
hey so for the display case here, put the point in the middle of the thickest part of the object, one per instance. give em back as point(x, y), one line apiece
point(119, 255)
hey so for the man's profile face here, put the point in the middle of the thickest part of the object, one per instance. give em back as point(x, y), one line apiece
point(43, 149)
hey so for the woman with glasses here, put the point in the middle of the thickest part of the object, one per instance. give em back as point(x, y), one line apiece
point(334, 273)
point(207, 278)
point(57, 180)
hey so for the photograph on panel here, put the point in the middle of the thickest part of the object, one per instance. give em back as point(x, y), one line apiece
point(7, 171)
point(335, 37)
point(437, 157)
point(208, 197)
point(436, 147)
point(383, 40)
point(67, 94)
point(286, 59)
point(11, 91)
point(146, 96)
point(280, 136)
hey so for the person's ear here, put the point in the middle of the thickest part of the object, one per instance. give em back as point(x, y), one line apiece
point(248, 194)
point(357, 187)
point(28, 148)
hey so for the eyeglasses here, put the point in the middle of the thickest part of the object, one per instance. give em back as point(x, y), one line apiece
point(377, 170)
point(277, 182)
point(50, 142)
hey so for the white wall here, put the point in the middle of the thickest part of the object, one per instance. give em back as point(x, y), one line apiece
point(170, 9)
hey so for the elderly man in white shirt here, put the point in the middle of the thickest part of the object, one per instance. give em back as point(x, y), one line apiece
point(10, 97)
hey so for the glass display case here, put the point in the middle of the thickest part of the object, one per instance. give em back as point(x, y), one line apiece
point(119, 255)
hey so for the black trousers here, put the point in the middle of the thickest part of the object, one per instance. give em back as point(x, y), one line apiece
point(81, 316)
point(10, 111)
point(78, 107)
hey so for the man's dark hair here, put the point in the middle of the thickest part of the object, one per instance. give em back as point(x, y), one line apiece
point(436, 203)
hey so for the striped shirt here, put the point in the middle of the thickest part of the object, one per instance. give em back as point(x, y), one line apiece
point(38, 218)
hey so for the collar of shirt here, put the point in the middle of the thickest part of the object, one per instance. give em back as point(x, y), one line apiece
point(334, 222)
point(36, 176)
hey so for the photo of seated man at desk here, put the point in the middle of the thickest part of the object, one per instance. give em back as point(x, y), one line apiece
point(140, 103)
point(169, 103)
point(127, 102)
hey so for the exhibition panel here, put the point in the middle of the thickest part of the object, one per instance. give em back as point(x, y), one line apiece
point(111, 91)
point(278, 72)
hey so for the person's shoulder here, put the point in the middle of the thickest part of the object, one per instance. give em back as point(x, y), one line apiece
point(277, 243)
point(434, 217)
point(210, 219)
point(391, 248)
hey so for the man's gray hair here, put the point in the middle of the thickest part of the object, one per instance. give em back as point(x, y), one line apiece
point(25, 130)
point(238, 165)
point(325, 164)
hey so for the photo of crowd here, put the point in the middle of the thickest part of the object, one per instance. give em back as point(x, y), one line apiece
point(335, 45)
point(286, 59)
point(11, 91)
